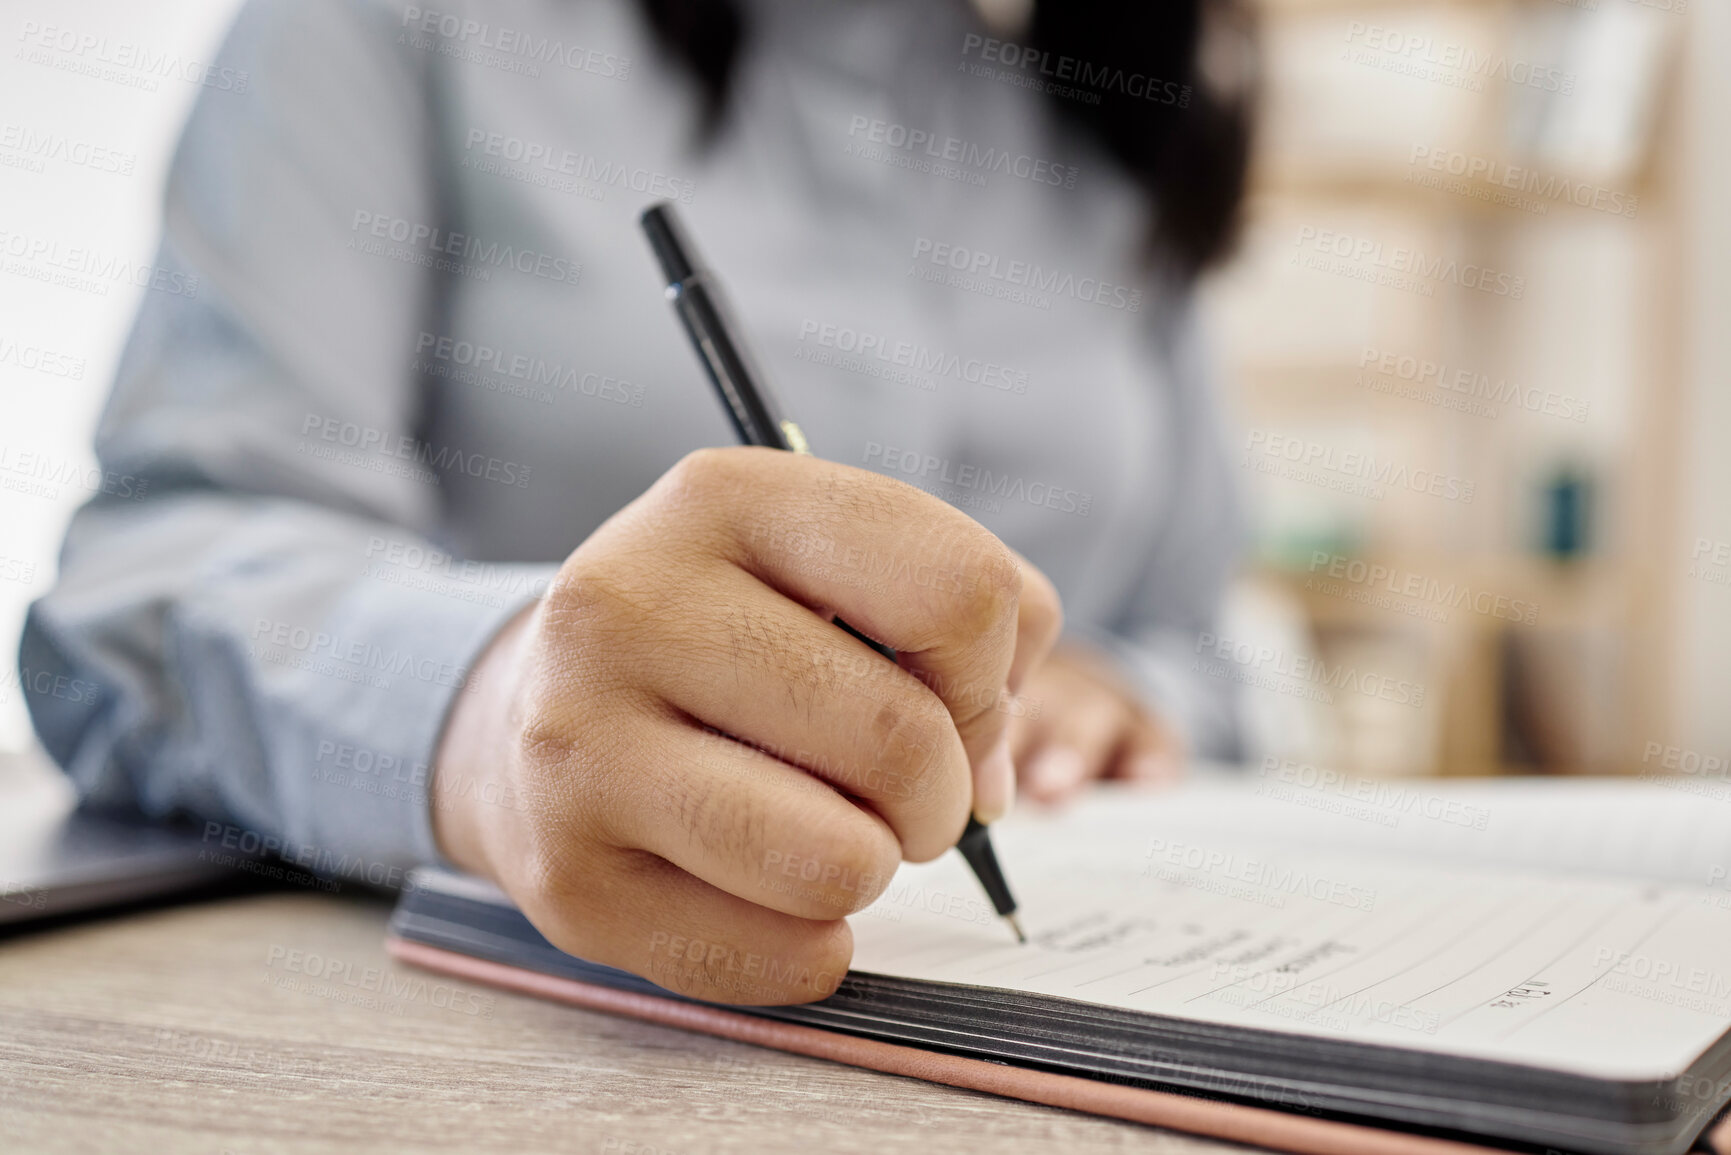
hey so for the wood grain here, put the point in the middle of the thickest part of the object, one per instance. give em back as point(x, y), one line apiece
point(278, 1023)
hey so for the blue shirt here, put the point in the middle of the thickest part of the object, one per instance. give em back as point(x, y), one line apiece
point(408, 348)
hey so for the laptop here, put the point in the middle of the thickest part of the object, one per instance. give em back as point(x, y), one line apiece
point(56, 859)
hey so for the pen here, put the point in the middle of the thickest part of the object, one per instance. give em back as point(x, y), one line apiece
point(759, 420)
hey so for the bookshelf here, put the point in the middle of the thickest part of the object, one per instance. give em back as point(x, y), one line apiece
point(1558, 396)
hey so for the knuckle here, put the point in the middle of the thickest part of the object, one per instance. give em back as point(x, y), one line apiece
point(925, 775)
point(1039, 601)
point(702, 470)
point(576, 592)
point(861, 496)
point(571, 767)
point(828, 862)
point(728, 823)
point(912, 731)
point(595, 601)
point(860, 865)
point(544, 739)
point(1000, 576)
point(996, 590)
point(766, 639)
point(926, 851)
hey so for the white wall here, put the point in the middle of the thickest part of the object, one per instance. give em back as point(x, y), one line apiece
point(54, 192)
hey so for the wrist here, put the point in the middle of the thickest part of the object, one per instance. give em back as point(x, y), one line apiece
point(471, 792)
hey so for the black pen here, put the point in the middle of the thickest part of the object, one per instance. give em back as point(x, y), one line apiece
point(697, 298)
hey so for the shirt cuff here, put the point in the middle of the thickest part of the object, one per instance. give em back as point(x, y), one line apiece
point(374, 730)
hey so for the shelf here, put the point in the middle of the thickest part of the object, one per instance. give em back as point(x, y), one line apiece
point(1589, 592)
point(1391, 187)
point(1276, 8)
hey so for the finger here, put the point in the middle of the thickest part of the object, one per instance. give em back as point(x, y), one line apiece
point(764, 669)
point(1025, 734)
point(1032, 710)
point(1078, 748)
point(749, 824)
point(898, 564)
point(1039, 620)
point(1150, 753)
point(642, 914)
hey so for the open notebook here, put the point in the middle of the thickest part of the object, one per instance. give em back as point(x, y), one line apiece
point(1531, 964)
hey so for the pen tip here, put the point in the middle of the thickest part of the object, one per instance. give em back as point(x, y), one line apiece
point(1017, 927)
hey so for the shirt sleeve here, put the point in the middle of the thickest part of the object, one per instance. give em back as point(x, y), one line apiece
point(253, 622)
point(1164, 626)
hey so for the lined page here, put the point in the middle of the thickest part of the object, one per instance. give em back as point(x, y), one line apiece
point(1674, 828)
point(1129, 906)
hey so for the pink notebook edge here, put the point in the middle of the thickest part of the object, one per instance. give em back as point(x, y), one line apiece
point(1237, 1123)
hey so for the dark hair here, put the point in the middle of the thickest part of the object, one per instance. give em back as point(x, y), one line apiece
point(1188, 150)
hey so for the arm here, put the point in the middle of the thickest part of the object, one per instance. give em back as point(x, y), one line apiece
point(670, 762)
point(248, 665)
point(1191, 565)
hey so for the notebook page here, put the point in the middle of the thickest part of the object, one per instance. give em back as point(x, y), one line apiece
point(1674, 828)
point(1129, 908)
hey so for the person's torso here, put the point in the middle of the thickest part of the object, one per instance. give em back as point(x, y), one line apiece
point(941, 285)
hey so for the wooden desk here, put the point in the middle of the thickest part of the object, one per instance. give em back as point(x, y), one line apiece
point(184, 1030)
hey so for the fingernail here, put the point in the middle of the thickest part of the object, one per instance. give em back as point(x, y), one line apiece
point(995, 783)
point(1056, 771)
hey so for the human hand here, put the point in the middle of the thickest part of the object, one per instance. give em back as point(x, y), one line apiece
point(644, 835)
point(1089, 725)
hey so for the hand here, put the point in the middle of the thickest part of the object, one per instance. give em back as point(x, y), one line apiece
point(1080, 722)
point(707, 773)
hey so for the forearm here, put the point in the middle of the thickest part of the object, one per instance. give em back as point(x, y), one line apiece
point(253, 665)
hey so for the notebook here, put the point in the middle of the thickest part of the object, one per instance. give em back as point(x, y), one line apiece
point(1536, 965)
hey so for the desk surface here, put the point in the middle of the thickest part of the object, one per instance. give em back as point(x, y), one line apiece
point(187, 1030)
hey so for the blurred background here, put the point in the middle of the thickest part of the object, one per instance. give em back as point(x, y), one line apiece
point(1476, 351)
point(1487, 245)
